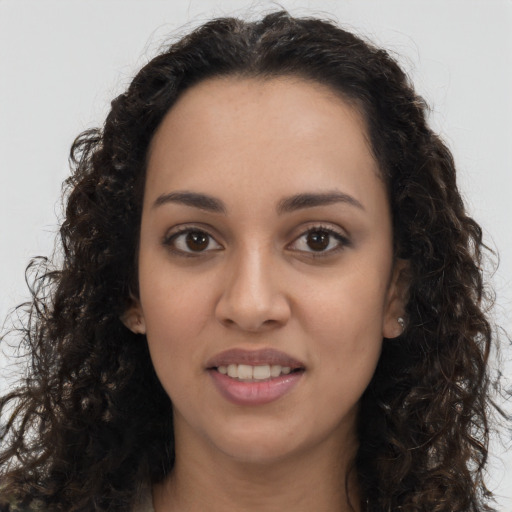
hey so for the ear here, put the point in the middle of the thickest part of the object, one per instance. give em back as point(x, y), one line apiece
point(394, 318)
point(133, 318)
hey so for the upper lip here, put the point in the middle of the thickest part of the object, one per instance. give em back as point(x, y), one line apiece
point(264, 356)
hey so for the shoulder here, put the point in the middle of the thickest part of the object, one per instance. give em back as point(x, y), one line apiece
point(10, 503)
point(13, 505)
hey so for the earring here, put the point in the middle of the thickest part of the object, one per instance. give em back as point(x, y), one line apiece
point(401, 322)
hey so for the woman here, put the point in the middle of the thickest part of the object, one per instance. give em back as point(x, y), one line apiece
point(271, 294)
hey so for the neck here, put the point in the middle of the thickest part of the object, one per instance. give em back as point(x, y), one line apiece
point(314, 480)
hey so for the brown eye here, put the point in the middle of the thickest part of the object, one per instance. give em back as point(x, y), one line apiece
point(192, 241)
point(197, 240)
point(318, 240)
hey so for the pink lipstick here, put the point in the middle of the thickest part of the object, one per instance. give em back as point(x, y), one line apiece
point(254, 377)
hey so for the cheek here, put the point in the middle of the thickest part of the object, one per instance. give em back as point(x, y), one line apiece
point(345, 320)
point(345, 349)
point(350, 305)
point(175, 317)
point(174, 306)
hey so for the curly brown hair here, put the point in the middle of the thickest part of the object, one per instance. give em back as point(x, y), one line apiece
point(91, 421)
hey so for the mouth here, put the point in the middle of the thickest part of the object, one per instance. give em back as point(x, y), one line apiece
point(257, 373)
point(254, 377)
point(254, 365)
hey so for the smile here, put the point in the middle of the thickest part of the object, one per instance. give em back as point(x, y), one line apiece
point(246, 372)
point(254, 377)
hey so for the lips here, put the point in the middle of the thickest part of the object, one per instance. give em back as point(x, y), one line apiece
point(260, 357)
point(254, 377)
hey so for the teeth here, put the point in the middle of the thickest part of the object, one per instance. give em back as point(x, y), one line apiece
point(248, 372)
point(261, 372)
point(244, 371)
point(275, 370)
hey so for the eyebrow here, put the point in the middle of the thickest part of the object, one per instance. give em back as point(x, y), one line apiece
point(286, 205)
point(194, 199)
point(300, 201)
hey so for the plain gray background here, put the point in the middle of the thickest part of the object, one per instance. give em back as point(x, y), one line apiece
point(61, 62)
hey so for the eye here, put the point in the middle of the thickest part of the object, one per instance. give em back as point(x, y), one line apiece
point(320, 240)
point(190, 241)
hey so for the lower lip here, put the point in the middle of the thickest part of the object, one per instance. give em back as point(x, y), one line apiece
point(254, 393)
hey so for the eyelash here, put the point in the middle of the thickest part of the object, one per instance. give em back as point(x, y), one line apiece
point(341, 241)
point(170, 241)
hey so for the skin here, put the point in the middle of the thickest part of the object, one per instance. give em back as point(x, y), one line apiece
point(259, 283)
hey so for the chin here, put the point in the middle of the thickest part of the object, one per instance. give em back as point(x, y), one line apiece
point(258, 445)
point(259, 455)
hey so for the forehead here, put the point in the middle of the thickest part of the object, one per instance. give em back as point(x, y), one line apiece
point(258, 103)
point(248, 132)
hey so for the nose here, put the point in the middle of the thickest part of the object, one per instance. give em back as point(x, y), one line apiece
point(252, 297)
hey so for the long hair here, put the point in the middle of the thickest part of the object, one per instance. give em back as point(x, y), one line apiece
point(91, 421)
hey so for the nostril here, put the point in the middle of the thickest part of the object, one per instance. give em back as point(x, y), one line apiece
point(252, 308)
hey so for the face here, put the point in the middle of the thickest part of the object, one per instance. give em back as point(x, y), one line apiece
point(266, 272)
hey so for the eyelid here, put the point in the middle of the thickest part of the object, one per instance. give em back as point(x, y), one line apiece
point(339, 234)
point(174, 233)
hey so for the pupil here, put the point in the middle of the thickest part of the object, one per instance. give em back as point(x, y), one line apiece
point(197, 241)
point(318, 240)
